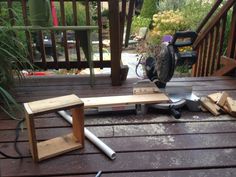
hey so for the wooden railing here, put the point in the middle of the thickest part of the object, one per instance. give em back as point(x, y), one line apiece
point(213, 39)
point(117, 18)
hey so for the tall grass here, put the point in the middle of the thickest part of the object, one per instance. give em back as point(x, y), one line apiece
point(13, 58)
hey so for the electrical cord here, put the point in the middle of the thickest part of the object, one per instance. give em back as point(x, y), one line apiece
point(15, 143)
point(136, 68)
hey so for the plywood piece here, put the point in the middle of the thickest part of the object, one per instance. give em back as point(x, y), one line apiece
point(231, 105)
point(215, 96)
point(51, 104)
point(57, 146)
point(128, 99)
point(210, 106)
point(222, 99)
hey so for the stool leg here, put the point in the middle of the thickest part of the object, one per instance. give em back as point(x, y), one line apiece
point(78, 123)
point(32, 137)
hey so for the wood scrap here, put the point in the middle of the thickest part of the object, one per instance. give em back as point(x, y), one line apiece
point(210, 106)
point(231, 105)
point(222, 99)
point(203, 109)
point(215, 96)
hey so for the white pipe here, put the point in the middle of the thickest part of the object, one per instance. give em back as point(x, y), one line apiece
point(89, 135)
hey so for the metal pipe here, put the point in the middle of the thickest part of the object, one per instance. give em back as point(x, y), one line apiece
point(99, 174)
point(91, 137)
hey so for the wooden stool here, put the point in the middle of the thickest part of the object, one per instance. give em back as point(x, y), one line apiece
point(59, 145)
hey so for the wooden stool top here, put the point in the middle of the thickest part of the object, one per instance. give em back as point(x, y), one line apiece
point(52, 104)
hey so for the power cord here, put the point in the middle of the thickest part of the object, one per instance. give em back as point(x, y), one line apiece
point(15, 143)
point(140, 61)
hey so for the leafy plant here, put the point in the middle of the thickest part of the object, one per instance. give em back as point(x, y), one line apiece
point(164, 5)
point(227, 30)
point(149, 8)
point(166, 23)
point(13, 58)
point(138, 22)
point(81, 15)
point(105, 13)
point(195, 11)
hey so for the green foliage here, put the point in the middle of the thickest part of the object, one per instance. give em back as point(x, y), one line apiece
point(227, 30)
point(187, 16)
point(182, 69)
point(194, 12)
point(105, 13)
point(149, 8)
point(13, 58)
point(138, 22)
point(164, 5)
point(81, 14)
point(166, 23)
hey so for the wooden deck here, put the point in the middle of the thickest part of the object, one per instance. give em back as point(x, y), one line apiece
point(154, 145)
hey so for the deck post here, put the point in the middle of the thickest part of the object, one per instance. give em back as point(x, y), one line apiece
point(114, 23)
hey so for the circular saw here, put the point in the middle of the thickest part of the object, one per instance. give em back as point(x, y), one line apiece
point(160, 69)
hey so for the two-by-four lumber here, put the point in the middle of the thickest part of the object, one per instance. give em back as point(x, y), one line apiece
point(127, 99)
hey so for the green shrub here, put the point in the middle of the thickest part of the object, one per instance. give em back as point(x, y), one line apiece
point(138, 22)
point(105, 13)
point(81, 14)
point(166, 23)
point(149, 8)
point(227, 30)
point(170, 5)
point(194, 12)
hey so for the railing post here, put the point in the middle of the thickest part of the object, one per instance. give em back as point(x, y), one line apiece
point(114, 23)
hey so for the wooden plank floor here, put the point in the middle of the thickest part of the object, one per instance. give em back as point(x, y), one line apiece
point(152, 145)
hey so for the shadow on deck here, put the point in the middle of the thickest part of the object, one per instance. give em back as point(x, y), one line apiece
point(149, 145)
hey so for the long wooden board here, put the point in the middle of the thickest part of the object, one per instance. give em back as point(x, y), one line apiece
point(127, 99)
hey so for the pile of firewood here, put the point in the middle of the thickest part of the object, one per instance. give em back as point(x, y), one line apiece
point(218, 103)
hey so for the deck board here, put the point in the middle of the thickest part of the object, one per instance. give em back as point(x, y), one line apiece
point(149, 145)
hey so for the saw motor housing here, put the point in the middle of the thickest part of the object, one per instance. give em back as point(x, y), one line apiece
point(160, 69)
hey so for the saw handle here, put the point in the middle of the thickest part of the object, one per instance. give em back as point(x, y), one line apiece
point(175, 113)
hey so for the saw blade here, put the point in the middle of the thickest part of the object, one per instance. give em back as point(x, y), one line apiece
point(177, 93)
